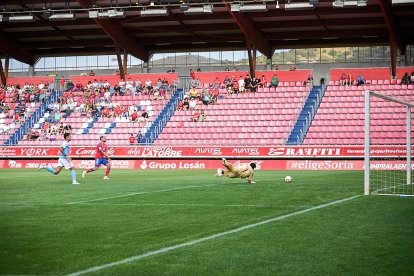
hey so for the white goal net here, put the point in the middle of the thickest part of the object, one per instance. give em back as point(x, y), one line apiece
point(388, 144)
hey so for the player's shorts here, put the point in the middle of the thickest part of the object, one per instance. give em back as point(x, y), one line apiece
point(64, 163)
point(101, 161)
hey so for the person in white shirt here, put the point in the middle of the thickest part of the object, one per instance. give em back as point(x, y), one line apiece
point(241, 84)
point(64, 160)
point(193, 104)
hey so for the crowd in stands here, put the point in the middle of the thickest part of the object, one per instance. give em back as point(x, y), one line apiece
point(407, 79)
point(95, 99)
point(14, 99)
point(135, 139)
point(348, 80)
point(48, 131)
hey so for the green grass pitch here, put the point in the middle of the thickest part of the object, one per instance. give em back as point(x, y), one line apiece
point(50, 227)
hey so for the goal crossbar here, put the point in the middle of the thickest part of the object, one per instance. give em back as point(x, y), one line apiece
point(367, 142)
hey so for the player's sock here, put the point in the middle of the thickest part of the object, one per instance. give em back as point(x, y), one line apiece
point(73, 175)
point(51, 170)
point(107, 171)
point(90, 170)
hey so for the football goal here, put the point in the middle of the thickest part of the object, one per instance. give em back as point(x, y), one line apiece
point(388, 145)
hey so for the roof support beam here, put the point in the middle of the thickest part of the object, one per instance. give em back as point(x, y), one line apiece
point(251, 52)
point(253, 36)
point(6, 66)
point(118, 35)
point(12, 48)
point(386, 10)
point(2, 74)
point(120, 66)
point(393, 48)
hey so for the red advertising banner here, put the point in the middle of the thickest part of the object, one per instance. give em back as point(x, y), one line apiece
point(209, 152)
point(174, 164)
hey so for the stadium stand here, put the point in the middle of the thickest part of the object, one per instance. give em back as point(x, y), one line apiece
point(340, 117)
point(265, 117)
point(118, 112)
point(19, 100)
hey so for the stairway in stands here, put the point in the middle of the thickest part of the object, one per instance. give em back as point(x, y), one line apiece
point(306, 116)
point(161, 121)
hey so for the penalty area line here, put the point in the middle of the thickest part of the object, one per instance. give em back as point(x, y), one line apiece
point(139, 193)
point(211, 237)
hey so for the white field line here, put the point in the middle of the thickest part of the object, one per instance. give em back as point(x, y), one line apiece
point(211, 237)
point(158, 191)
point(140, 193)
point(194, 205)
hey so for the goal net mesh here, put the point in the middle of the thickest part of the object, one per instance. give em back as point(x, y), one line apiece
point(388, 143)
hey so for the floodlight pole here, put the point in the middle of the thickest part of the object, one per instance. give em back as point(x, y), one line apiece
point(367, 143)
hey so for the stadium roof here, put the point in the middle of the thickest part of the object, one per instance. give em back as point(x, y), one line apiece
point(377, 23)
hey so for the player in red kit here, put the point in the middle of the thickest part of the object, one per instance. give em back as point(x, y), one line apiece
point(101, 158)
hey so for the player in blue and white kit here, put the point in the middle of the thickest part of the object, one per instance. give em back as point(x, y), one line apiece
point(64, 160)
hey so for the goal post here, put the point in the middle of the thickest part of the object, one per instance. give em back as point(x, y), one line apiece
point(392, 177)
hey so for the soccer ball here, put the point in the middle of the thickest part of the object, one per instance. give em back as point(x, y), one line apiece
point(288, 179)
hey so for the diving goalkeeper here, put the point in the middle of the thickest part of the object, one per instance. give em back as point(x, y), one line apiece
point(245, 171)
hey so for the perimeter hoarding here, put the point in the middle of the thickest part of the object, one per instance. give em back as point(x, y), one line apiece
point(210, 152)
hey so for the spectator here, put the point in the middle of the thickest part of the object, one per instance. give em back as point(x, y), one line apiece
point(202, 116)
point(247, 83)
point(62, 83)
point(193, 104)
point(67, 129)
point(193, 93)
point(186, 105)
point(192, 74)
point(35, 135)
point(254, 84)
point(342, 80)
point(227, 69)
point(68, 111)
point(105, 112)
point(292, 67)
point(132, 139)
point(235, 86)
point(309, 80)
point(349, 80)
point(194, 83)
point(134, 116)
point(145, 116)
point(29, 134)
point(198, 70)
point(360, 80)
point(91, 73)
point(129, 84)
point(171, 70)
point(60, 129)
point(274, 82)
point(139, 137)
point(412, 78)
point(180, 105)
point(277, 68)
point(195, 116)
point(206, 99)
point(57, 116)
point(43, 134)
point(263, 81)
point(406, 79)
point(241, 84)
